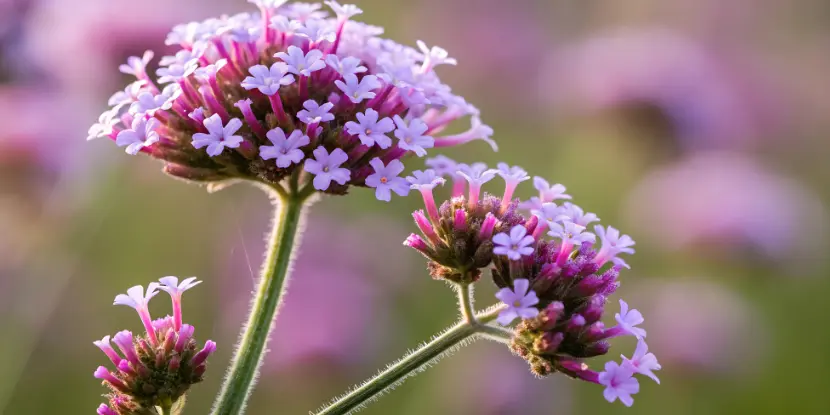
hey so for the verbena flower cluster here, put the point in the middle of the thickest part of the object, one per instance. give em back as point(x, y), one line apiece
point(558, 287)
point(288, 91)
point(157, 368)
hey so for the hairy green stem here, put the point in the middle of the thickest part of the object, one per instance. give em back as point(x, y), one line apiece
point(465, 302)
point(415, 362)
point(249, 353)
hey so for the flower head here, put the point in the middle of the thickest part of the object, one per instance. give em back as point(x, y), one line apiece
point(285, 149)
point(153, 369)
point(520, 302)
point(385, 179)
point(289, 67)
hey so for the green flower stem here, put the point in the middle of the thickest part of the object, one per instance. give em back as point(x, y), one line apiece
point(465, 302)
point(249, 353)
point(447, 342)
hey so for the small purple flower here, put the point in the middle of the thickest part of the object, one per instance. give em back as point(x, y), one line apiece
point(477, 131)
point(515, 245)
point(175, 72)
point(185, 57)
point(285, 25)
point(208, 72)
point(128, 95)
point(411, 136)
point(570, 233)
point(547, 192)
point(434, 56)
point(520, 302)
point(385, 179)
point(138, 299)
point(573, 213)
point(619, 383)
point(103, 409)
point(172, 286)
point(326, 167)
point(476, 175)
point(628, 320)
point(137, 66)
point(346, 66)
point(219, 136)
point(369, 130)
point(443, 165)
point(643, 362)
point(613, 244)
point(425, 180)
point(285, 150)
point(344, 11)
point(356, 90)
point(316, 31)
point(305, 11)
point(512, 177)
point(142, 134)
point(268, 81)
point(315, 113)
point(547, 212)
point(300, 63)
point(147, 103)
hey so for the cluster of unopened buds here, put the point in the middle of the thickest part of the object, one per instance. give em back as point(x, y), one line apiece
point(288, 92)
point(558, 287)
point(154, 370)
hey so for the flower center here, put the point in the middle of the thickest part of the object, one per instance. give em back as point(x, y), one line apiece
point(326, 169)
point(384, 180)
point(368, 131)
point(517, 303)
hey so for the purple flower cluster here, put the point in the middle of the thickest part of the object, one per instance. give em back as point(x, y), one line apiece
point(289, 90)
point(155, 369)
point(558, 287)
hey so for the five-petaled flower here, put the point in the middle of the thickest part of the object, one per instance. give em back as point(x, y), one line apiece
point(619, 382)
point(219, 136)
point(356, 90)
point(302, 64)
point(315, 113)
point(268, 81)
point(547, 192)
point(326, 167)
point(172, 286)
point(516, 245)
point(142, 134)
point(642, 361)
point(628, 320)
point(412, 136)
point(346, 66)
point(520, 301)
point(137, 298)
point(385, 179)
point(370, 130)
point(286, 150)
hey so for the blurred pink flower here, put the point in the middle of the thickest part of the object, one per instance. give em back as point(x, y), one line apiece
point(704, 100)
point(698, 325)
point(339, 290)
point(502, 40)
point(727, 203)
point(502, 386)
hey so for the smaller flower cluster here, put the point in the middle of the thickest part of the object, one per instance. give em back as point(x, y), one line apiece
point(157, 368)
point(558, 287)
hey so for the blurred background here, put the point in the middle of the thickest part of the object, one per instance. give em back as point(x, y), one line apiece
point(699, 127)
